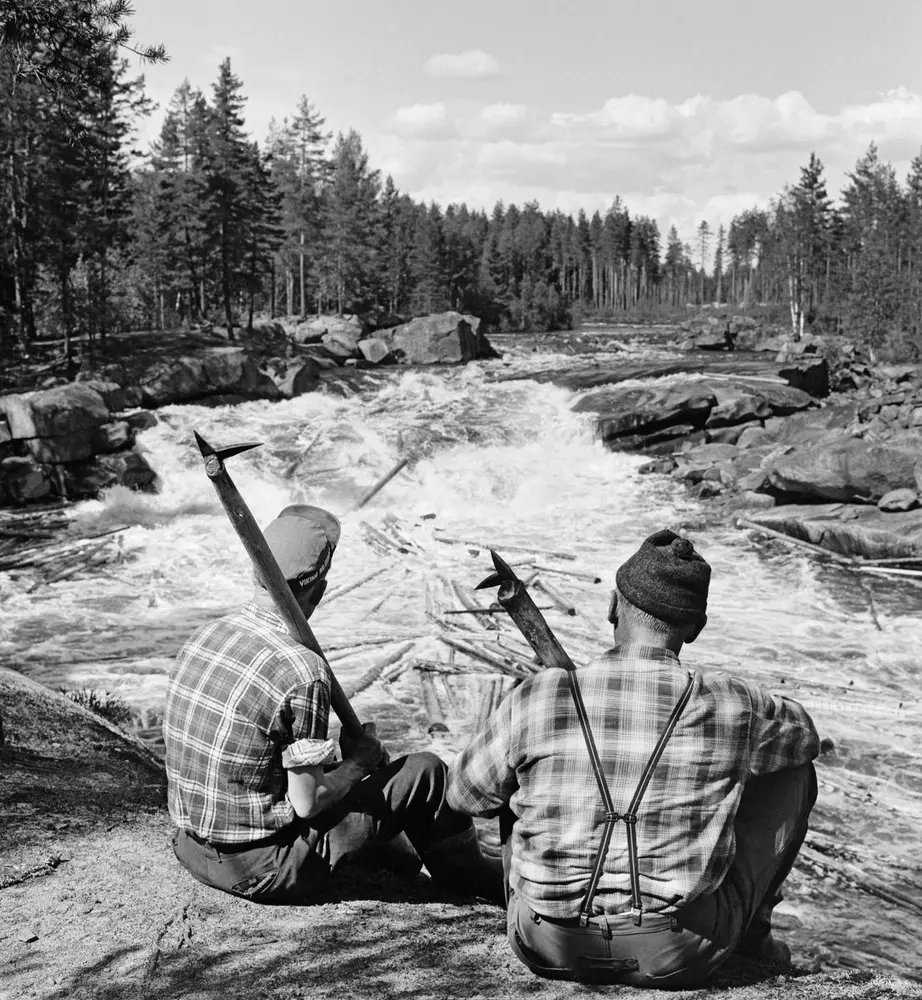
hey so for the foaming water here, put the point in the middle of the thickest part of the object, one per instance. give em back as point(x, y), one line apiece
point(495, 463)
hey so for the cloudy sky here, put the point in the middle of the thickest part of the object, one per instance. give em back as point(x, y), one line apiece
point(688, 110)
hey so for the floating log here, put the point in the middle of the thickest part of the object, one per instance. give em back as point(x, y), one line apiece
point(481, 654)
point(382, 482)
point(506, 545)
point(555, 596)
point(378, 539)
point(773, 379)
point(349, 587)
point(577, 574)
point(488, 611)
point(376, 670)
point(290, 470)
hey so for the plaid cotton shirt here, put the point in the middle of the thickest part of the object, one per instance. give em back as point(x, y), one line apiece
point(531, 756)
point(244, 702)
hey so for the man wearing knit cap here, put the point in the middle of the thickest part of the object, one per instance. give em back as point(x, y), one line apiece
point(654, 811)
point(259, 806)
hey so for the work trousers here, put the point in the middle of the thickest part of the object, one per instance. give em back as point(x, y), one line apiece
point(684, 948)
point(407, 796)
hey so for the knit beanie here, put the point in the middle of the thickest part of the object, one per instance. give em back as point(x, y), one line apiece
point(302, 539)
point(666, 578)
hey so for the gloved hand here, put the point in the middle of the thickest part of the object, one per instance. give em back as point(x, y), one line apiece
point(367, 751)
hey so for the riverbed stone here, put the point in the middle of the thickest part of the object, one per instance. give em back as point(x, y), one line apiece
point(24, 480)
point(443, 338)
point(637, 411)
point(809, 373)
point(897, 500)
point(313, 330)
point(375, 350)
point(304, 376)
point(843, 468)
point(55, 424)
point(125, 468)
point(221, 370)
point(851, 529)
point(114, 436)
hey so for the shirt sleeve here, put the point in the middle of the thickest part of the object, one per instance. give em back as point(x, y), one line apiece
point(303, 719)
point(481, 779)
point(783, 734)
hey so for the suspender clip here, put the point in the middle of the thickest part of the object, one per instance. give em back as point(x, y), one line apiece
point(637, 914)
point(629, 817)
point(612, 817)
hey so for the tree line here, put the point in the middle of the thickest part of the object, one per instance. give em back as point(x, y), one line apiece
point(211, 227)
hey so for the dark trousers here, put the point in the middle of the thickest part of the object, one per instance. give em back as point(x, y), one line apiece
point(407, 796)
point(685, 948)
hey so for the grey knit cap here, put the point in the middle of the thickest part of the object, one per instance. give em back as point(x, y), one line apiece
point(667, 578)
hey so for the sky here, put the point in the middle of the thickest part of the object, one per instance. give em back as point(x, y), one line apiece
point(686, 110)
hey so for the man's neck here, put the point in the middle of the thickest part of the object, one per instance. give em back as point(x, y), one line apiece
point(645, 637)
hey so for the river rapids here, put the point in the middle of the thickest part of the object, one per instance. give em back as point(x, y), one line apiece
point(504, 462)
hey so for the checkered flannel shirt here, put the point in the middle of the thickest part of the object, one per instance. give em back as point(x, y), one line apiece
point(244, 702)
point(531, 755)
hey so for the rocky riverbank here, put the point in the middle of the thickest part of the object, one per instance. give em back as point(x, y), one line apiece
point(810, 441)
point(70, 440)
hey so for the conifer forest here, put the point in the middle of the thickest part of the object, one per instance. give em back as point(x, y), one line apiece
point(208, 226)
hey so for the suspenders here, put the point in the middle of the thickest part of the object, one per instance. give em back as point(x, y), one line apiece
point(611, 815)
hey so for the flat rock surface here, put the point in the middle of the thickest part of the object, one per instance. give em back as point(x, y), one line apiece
point(850, 529)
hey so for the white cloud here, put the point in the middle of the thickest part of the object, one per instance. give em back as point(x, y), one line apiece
point(421, 120)
point(471, 64)
point(504, 114)
point(679, 162)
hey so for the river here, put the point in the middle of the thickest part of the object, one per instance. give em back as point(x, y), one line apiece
point(504, 463)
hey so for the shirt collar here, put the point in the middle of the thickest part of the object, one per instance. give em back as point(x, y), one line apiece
point(265, 616)
point(636, 651)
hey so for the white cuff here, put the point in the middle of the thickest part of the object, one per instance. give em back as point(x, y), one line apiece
point(304, 753)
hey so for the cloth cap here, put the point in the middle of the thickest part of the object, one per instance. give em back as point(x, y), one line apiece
point(667, 578)
point(303, 539)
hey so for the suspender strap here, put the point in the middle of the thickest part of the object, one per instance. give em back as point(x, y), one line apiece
point(611, 816)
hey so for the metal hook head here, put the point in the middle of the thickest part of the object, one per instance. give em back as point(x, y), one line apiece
point(208, 450)
point(504, 573)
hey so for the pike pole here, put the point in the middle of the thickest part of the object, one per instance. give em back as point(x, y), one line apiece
point(514, 597)
point(268, 569)
point(525, 613)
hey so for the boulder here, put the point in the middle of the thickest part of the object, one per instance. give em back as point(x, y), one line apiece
point(444, 338)
point(738, 410)
point(843, 468)
point(125, 468)
point(300, 378)
point(114, 436)
point(113, 395)
point(759, 339)
point(56, 424)
point(375, 350)
point(816, 424)
point(754, 436)
point(898, 500)
point(23, 480)
point(312, 330)
point(341, 343)
point(851, 530)
point(222, 370)
point(648, 409)
point(811, 374)
point(142, 420)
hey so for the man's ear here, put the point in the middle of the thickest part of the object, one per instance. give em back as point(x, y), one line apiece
point(695, 630)
point(613, 608)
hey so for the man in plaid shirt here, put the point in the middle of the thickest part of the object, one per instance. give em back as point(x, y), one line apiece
point(715, 831)
point(259, 807)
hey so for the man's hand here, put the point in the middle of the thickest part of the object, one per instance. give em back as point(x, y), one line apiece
point(367, 751)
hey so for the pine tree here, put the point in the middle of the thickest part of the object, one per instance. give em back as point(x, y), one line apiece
point(873, 216)
point(228, 163)
point(351, 227)
point(719, 251)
